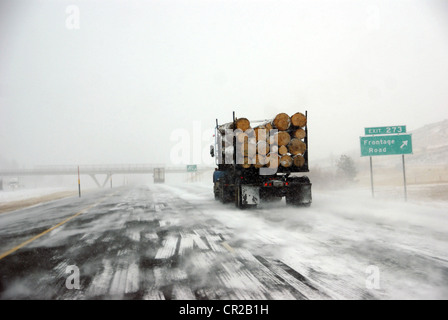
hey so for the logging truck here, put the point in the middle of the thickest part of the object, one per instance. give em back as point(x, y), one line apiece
point(261, 161)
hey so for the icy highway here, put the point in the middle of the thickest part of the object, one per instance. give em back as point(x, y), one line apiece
point(176, 242)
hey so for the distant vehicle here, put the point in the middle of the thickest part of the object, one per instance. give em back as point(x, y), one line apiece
point(159, 175)
point(253, 167)
point(13, 183)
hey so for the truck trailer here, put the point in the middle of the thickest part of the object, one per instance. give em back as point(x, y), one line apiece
point(261, 161)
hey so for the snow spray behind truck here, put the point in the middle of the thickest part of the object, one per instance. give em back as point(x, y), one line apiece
point(258, 161)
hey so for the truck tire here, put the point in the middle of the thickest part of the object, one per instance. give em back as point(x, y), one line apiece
point(238, 197)
point(226, 197)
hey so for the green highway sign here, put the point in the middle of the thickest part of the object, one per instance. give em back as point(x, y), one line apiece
point(386, 145)
point(192, 168)
point(385, 130)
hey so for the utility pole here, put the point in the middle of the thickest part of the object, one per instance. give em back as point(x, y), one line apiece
point(79, 184)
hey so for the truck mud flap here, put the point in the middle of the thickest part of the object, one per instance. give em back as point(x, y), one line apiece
point(250, 195)
point(303, 196)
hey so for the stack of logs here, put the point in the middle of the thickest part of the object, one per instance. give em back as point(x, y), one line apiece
point(273, 143)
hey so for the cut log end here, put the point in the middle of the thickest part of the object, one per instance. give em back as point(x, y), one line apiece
point(298, 119)
point(299, 133)
point(260, 161)
point(282, 138)
point(286, 161)
point(261, 134)
point(296, 146)
point(242, 124)
point(263, 148)
point(282, 150)
point(299, 161)
point(272, 160)
point(281, 121)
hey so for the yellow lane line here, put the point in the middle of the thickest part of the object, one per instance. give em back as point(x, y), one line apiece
point(228, 247)
point(7, 253)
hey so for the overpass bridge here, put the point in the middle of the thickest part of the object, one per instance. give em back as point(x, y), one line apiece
point(93, 170)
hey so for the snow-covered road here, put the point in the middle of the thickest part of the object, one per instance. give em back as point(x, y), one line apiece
point(174, 241)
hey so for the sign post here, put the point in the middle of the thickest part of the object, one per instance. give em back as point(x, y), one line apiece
point(79, 184)
point(392, 141)
point(192, 168)
point(371, 177)
point(404, 180)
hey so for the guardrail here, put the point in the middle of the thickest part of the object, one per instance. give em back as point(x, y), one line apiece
point(95, 169)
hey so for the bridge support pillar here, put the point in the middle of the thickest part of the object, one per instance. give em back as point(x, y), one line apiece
point(108, 176)
point(94, 179)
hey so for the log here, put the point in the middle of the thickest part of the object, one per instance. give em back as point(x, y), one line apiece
point(261, 134)
point(250, 133)
point(262, 147)
point(225, 127)
point(246, 164)
point(282, 150)
point(298, 120)
point(299, 133)
point(272, 160)
point(273, 148)
point(281, 121)
point(228, 151)
point(299, 161)
point(242, 137)
point(242, 124)
point(266, 125)
point(247, 149)
point(296, 146)
point(282, 138)
point(260, 161)
point(271, 140)
point(286, 161)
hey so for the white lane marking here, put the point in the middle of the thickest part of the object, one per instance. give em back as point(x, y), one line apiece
point(100, 283)
point(169, 248)
point(186, 244)
point(132, 279)
point(215, 243)
point(118, 282)
point(201, 244)
point(181, 292)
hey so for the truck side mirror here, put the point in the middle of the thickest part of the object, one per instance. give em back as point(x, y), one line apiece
point(212, 151)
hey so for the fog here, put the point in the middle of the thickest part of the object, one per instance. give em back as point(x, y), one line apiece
point(93, 82)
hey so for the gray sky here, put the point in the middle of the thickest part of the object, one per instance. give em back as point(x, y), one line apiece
point(114, 90)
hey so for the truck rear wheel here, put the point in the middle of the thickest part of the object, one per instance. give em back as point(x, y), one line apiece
point(238, 203)
point(226, 195)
